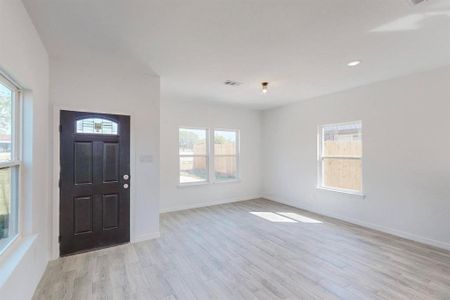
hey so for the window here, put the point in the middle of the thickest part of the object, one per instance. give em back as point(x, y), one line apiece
point(197, 166)
point(340, 157)
point(9, 162)
point(194, 155)
point(226, 152)
point(96, 126)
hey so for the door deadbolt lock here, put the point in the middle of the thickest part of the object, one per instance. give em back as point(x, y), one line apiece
point(125, 186)
point(126, 177)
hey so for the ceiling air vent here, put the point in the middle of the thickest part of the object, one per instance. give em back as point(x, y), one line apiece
point(415, 2)
point(232, 83)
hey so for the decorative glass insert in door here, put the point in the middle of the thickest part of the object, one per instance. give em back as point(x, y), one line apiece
point(96, 126)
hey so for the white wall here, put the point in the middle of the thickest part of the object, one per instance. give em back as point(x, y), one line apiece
point(111, 87)
point(24, 58)
point(176, 113)
point(406, 147)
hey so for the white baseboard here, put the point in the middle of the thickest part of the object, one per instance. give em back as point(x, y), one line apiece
point(392, 231)
point(185, 206)
point(146, 237)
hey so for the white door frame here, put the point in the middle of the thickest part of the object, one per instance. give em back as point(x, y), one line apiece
point(56, 169)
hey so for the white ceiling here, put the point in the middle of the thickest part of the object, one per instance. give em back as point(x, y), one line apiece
point(300, 46)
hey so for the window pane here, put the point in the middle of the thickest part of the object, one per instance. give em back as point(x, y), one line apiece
point(342, 173)
point(6, 104)
point(8, 205)
point(193, 169)
point(225, 142)
point(96, 126)
point(192, 141)
point(225, 168)
point(342, 140)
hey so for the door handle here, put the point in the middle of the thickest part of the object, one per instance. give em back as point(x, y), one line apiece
point(125, 186)
point(126, 177)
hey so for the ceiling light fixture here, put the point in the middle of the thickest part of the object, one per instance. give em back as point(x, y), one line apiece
point(354, 63)
point(264, 86)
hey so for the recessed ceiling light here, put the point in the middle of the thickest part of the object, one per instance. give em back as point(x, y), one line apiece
point(354, 63)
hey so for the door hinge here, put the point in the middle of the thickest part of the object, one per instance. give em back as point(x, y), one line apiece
point(60, 128)
point(59, 239)
point(59, 182)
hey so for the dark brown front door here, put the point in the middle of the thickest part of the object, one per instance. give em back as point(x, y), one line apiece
point(94, 181)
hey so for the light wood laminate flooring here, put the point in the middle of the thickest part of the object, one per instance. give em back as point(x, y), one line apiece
point(255, 249)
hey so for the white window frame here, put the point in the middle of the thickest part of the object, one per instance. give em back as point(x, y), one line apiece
point(207, 156)
point(321, 157)
point(214, 155)
point(16, 154)
point(210, 155)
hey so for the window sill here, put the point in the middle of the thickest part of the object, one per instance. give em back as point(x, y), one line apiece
point(10, 244)
point(11, 258)
point(191, 184)
point(228, 181)
point(347, 192)
point(185, 185)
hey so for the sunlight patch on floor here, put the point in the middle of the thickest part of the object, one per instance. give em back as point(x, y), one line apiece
point(298, 217)
point(284, 217)
point(272, 217)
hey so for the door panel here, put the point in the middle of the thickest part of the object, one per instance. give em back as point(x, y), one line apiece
point(83, 162)
point(82, 215)
point(110, 162)
point(110, 211)
point(94, 205)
